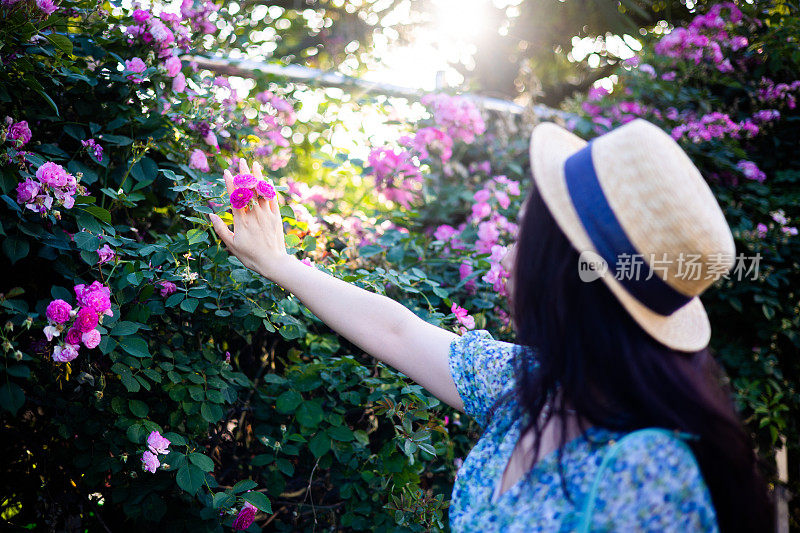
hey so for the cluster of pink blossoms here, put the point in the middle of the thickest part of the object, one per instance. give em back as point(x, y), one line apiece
point(396, 173)
point(705, 38)
point(156, 445)
point(463, 317)
point(427, 140)
point(458, 116)
point(276, 114)
point(771, 92)
point(94, 302)
point(779, 217)
point(751, 171)
point(248, 188)
point(39, 8)
point(714, 126)
point(94, 148)
point(52, 181)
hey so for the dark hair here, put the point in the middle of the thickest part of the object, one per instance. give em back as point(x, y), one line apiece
point(593, 358)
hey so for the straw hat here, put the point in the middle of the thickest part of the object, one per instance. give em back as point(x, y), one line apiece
point(634, 191)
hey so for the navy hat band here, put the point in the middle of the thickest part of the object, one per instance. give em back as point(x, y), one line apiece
point(609, 238)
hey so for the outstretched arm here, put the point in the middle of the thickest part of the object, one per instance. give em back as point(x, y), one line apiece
point(380, 326)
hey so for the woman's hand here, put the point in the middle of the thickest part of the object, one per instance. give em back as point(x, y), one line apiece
point(257, 239)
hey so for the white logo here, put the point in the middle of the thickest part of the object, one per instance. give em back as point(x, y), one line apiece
point(591, 266)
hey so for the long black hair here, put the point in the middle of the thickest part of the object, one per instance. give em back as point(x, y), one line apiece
point(594, 360)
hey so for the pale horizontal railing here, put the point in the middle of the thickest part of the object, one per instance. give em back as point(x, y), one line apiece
point(246, 68)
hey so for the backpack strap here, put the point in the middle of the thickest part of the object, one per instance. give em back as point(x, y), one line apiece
point(611, 453)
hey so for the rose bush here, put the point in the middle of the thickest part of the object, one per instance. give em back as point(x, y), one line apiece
point(149, 376)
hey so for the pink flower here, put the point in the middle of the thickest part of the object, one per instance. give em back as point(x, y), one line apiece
point(106, 254)
point(265, 190)
point(150, 462)
point(95, 297)
point(157, 443)
point(19, 131)
point(167, 288)
point(179, 83)
point(91, 338)
point(462, 315)
point(306, 261)
point(58, 311)
point(248, 181)
point(241, 197)
point(173, 66)
point(198, 160)
point(47, 6)
point(73, 336)
point(789, 230)
point(52, 174)
point(444, 232)
point(211, 139)
point(86, 320)
point(761, 230)
point(65, 354)
point(481, 210)
point(27, 191)
point(228, 357)
point(135, 65)
point(751, 171)
point(245, 518)
point(140, 15)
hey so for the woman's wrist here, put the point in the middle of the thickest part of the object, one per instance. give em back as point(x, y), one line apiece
point(276, 269)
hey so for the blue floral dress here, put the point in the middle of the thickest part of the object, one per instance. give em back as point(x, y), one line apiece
point(653, 483)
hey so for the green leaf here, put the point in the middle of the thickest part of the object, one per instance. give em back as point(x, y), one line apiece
point(190, 478)
point(203, 461)
point(61, 42)
point(130, 382)
point(288, 401)
point(309, 243)
point(11, 397)
point(340, 433)
point(244, 485)
point(138, 408)
point(189, 304)
point(15, 248)
point(136, 346)
point(319, 444)
point(223, 499)
point(196, 235)
point(174, 299)
point(211, 412)
point(259, 500)
point(87, 241)
point(309, 414)
point(124, 327)
point(98, 212)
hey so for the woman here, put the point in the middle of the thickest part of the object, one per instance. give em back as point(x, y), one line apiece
point(608, 412)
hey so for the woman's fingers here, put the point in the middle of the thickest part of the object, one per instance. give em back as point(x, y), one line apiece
point(243, 167)
point(222, 230)
point(228, 180)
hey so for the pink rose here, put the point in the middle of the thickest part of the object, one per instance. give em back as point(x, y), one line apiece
point(198, 160)
point(27, 191)
point(167, 288)
point(19, 131)
point(52, 174)
point(73, 336)
point(47, 7)
point(140, 15)
point(265, 189)
point(91, 338)
point(150, 462)
point(135, 65)
point(245, 518)
point(173, 66)
point(179, 83)
point(65, 354)
point(248, 181)
point(157, 443)
point(106, 254)
point(58, 311)
point(86, 320)
point(241, 197)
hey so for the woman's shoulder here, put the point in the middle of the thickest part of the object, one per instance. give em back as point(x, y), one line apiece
point(653, 482)
point(482, 368)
